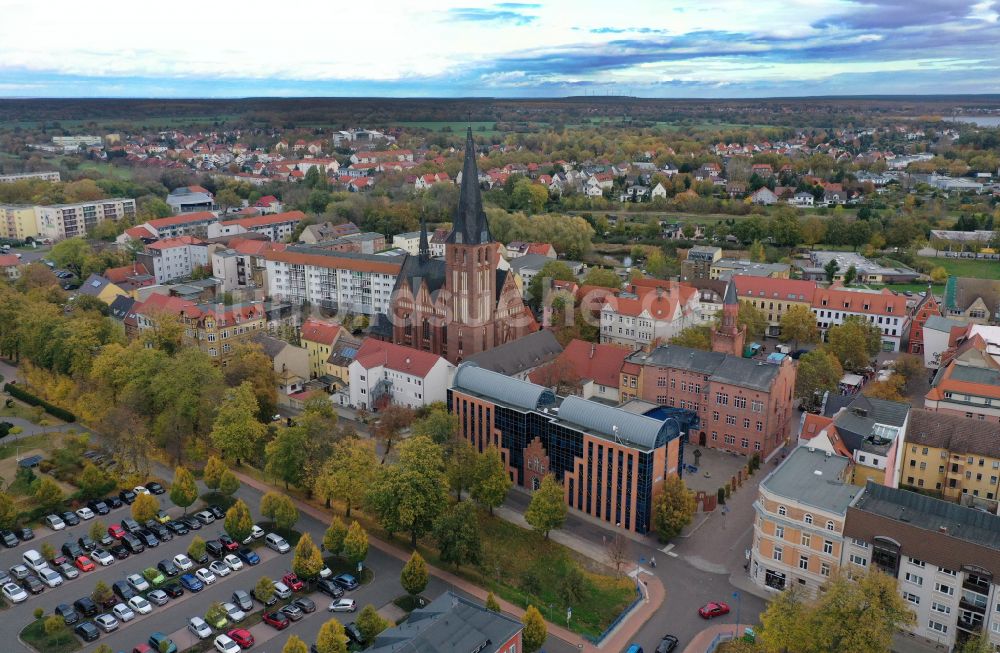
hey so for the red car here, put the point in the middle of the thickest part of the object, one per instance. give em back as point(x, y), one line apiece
point(228, 543)
point(714, 609)
point(83, 563)
point(276, 620)
point(241, 636)
point(116, 531)
point(293, 582)
point(142, 648)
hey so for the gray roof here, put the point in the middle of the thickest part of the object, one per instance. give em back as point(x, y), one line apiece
point(930, 514)
point(600, 419)
point(519, 355)
point(271, 346)
point(938, 323)
point(724, 368)
point(813, 478)
point(93, 286)
point(120, 307)
point(449, 624)
point(530, 262)
point(521, 394)
point(856, 423)
point(971, 374)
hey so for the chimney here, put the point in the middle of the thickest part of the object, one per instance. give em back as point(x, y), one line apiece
point(593, 349)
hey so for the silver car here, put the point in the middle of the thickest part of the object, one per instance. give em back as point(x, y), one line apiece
point(106, 622)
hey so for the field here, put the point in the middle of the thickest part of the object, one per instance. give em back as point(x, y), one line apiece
point(480, 127)
point(106, 169)
point(958, 267)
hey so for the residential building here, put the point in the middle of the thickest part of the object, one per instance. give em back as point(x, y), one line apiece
point(30, 176)
point(368, 242)
point(774, 297)
point(291, 363)
point(174, 258)
point(100, 288)
point(968, 382)
point(699, 261)
point(925, 309)
point(10, 266)
point(277, 227)
point(610, 462)
point(939, 335)
point(529, 265)
point(649, 311)
point(883, 308)
point(342, 354)
point(726, 268)
point(244, 264)
point(802, 199)
point(944, 455)
point(972, 300)
point(359, 283)
point(592, 367)
point(519, 358)
point(187, 224)
point(318, 233)
point(18, 222)
point(711, 293)
point(73, 143)
point(872, 432)
point(452, 623)
point(408, 242)
point(189, 199)
point(60, 221)
point(798, 529)
point(866, 270)
point(944, 557)
point(384, 373)
point(130, 277)
point(763, 196)
point(319, 338)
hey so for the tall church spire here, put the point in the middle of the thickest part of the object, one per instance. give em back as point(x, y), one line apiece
point(425, 249)
point(469, 226)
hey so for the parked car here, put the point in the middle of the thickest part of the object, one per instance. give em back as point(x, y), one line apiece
point(277, 620)
point(205, 575)
point(19, 572)
point(154, 576)
point(219, 568)
point(191, 583)
point(354, 633)
point(293, 612)
point(225, 644)
point(120, 551)
point(234, 563)
point(243, 600)
point(192, 523)
point(276, 542)
point(140, 605)
point(667, 644)
point(173, 590)
point(215, 549)
point(269, 602)
point(123, 613)
point(83, 563)
point(87, 544)
point(342, 605)
point(33, 585)
point(155, 488)
point(25, 534)
point(255, 534)
point(50, 577)
point(138, 583)
point(347, 581)
point(127, 496)
point(183, 562)
point(147, 538)
point(133, 543)
point(14, 593)
point(102, 557)
point(330, 588)
point(55, 522)
point(85, 513)
point(68, 571)
point(161, 643)
point(281, 590)
point(98, 506)
point(71, 550)
point(161, 532)
point(205, 517)
point(106, 622)
point(233, 612)
point(216, 511)
point(241, 636)
point(177, 527)
point(158, 597)
point(199, 628)
point(116, 531)
point(713, 609)
point(9, 539)
point(70, 518)
point(248, 556)
point(168, 568)
point(123, 590)
point(113, 502)
point(161, 517)
point(69, 615)
point(140, 489)
point(228, 543)
point(305, 604)
point(85, 606)
point(130, 525)
point(87, 631)
point(292, 581)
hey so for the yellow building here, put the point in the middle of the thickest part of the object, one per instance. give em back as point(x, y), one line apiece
point(774, 297)
point(18, 222)
point(954, 456)
point(319, 337)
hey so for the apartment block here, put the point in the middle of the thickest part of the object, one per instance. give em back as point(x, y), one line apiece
point(774, 297)
point(174, 258)
point(30, 176)
point(883, 308)
point(71, 220)
point(18, 221)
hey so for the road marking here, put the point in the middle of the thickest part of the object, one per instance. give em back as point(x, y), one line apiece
point(668, 550)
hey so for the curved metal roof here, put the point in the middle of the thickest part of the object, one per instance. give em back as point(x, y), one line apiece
point(522, 394)
point(600, 419)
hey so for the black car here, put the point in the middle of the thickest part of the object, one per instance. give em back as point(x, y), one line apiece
point(69, 615)
point(347, 581)
point(70, 518)
point(127, 496)
point(178, 527)
point(192, 523)
point(173, 589)
point(87, 544)
point(155, 488)
point(305, 604)
point(133, 543)
point(354, 633)
point(123, 590)
point(215, 548)
point(168, 567)
point(130, 525)
point(86, 606)
point(9, 539)
point(25, 534)
point(120, 551)
point(33, 584)
point(330, 588)
point(242, 600)
point(113, 502)
point(87, 631)
point(667, 644)
point(98, 506)
point(147, 538)
point(161, 532)
point(72, 550)
point(217, 512)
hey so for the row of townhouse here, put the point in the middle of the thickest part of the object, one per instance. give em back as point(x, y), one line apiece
point(810, 523)
point(649, 311)
point(58, 221)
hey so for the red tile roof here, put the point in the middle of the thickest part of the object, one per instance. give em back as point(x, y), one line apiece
point(601, 363)
point(122, 274)
point(7, 260)
point(878, 302)
point(795, 290)
point(319, 331)
point(180, 241)
point(375, 353)
point(263, 220)
point(139, 232)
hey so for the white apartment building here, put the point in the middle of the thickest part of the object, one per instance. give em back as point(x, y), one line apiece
point(70, 220)
point(649, 314)
point(383, 373)
point(27, 176)
point(408, 242)
point(277, 227)
point(883, 308)
point(359, 283)
point(174, 258)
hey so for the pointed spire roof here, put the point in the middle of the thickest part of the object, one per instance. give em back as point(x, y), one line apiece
point(470, 226)
point(424, 250)
point(731, 299)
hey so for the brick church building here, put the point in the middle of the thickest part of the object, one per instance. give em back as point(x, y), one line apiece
point(464, 304)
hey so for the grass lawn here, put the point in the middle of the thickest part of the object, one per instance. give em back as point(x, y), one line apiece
point(480, 127)
point(912, 287)
point(19, 410)
point(106, 169)
point(960, 267)
point(30, 442)
point(339, 566)
point(34, 636)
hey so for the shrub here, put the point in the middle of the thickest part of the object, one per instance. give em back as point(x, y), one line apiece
point(32, 400)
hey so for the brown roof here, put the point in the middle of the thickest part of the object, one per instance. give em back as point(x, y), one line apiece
point(953, 433)
point(968, 290)
point(389, 266)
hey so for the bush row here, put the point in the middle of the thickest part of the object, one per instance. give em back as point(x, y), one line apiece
point(28, 398)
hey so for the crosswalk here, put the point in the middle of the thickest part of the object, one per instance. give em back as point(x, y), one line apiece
point(668, 549)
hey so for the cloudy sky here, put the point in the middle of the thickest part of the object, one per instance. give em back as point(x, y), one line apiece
point(652, 48)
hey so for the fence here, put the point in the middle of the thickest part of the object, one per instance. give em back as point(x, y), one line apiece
point(718, 639)
point(621, 617)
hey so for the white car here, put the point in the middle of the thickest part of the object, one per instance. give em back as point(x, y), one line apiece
point(223, 644)
point(325, 572)
point(183, 562)
point(205, 576)
point(123, 613)
point(102, 557)
point(219, 568)
point(255, 534)
point(85, 513)
point(55, 522)
point(342, 605)
point(281, 590)
point(234, 563)
point(14, 593)
point(233, 612)
point(106, 622)
point(205, 517)
point(138, 583)
point(276, 542)
point(50, 577)
point(140, 489)
point(140, 605)
point(198, 626)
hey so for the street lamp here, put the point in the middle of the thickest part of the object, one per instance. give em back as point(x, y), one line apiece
point(736, 595)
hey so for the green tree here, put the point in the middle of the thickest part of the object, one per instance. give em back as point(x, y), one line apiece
point(551, 271)
point(673, 508)
point(228, 483)
point(850, 275)
point(333, 538)
point(939, 274)
point(238, 522)
point(71, 254)
point(492, 482)
point(457, 534)
point(855, 342)
point(818, 371)
point(94, 482)
point(307, 562)
point(184, 490)
point(97, 530)
point(439, 424)
point(657, 264)
point(145, 508)
point(756, 252)
point(392, 420)
point(461, 466)
point(603, 277)
point(279, 509)
point(975, 644)
point(48, 551)
point(798, 325)
point(831, 269)
point(331, 638)
point(695, 337)
point(370, 623)
point(412, 493)
point(213, 472)
point(535, 631)
point(491, 603)
point(355, 547)
point(236, 431)
point(547, 509)
point(8, 511)
point(287, 455)
point(55, 628)
point(227, 198)
point(264, 589)
point(216, 612)
point(102, 593)
point(414, 576)
point(784, 622)
point(910, 367)
point(196, 549)
point(349, 472)
point(48, 495)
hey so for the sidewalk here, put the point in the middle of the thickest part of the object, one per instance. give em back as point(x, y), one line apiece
point(704, 639)
point(617, 640)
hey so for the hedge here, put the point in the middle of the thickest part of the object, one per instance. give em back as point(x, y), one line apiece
point(30, 399)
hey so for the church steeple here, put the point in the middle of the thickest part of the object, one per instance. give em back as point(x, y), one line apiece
point(424, 251)
point(728, 337)
point(469, 226)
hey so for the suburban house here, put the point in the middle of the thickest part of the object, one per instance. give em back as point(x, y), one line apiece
point(968, 382)
point(100, 288)
point(11, 266)
point(319, 337)
point(972, 300)
point(763, 196)
point(291, 363)
point(384, 373)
